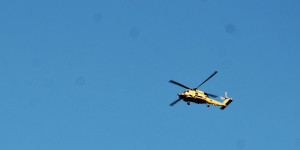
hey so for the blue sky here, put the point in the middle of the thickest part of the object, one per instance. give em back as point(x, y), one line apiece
point(94, 74)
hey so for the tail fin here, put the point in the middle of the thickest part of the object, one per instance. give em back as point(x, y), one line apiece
point(226, 102)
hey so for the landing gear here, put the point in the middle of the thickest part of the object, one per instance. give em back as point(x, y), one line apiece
point(208, 105)
point(188, 103)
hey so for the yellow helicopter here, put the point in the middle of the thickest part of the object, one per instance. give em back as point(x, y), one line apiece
point(200, 97)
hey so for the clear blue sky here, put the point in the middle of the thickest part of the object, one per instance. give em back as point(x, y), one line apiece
point(94, 74)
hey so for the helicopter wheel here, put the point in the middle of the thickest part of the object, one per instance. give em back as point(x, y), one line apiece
point(188, 103)
point(208, 105)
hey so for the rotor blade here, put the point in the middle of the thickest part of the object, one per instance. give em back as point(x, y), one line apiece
point(207, 79)
point(225, 94)
point(222, 97)
point(179, 84)
point(175, 102)
point(211, 95)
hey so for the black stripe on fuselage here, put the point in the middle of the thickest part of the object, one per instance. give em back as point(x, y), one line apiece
point(198, 101)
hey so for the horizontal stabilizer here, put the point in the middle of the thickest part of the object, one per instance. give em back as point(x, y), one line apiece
point(223, 107)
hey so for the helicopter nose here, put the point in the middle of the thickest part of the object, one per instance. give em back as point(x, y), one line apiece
point(180, 95)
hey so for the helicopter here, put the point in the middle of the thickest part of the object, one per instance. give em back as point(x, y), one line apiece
point(200, 97)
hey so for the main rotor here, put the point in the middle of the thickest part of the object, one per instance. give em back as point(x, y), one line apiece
point(197, 86)
point(186, 87)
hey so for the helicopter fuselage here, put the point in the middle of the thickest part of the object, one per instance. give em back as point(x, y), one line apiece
point(198, 97)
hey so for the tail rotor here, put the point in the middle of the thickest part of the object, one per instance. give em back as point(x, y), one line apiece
point(226, 97)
